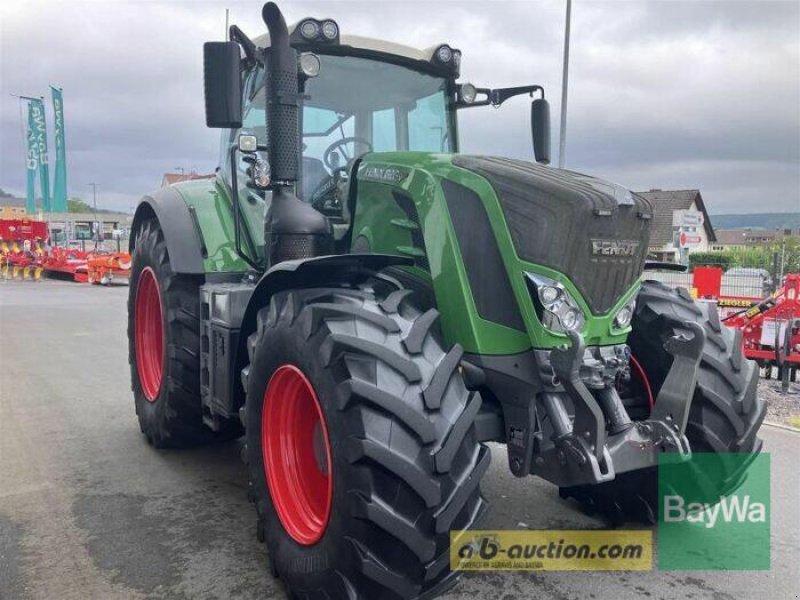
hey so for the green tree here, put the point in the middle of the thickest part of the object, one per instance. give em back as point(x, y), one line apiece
point(788, 251)
point(712, 259)
point(76, 205)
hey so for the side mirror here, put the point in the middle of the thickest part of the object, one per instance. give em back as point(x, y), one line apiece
point(540, 130)
point(222, 78)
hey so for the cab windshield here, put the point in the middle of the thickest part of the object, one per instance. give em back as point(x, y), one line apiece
point(359, 105)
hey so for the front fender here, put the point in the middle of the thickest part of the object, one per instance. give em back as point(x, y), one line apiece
point(320, 271)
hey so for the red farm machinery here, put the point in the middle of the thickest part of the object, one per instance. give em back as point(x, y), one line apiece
point(25, 254)
point(769, 326)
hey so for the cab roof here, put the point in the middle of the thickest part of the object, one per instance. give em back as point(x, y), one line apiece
point(371, 44)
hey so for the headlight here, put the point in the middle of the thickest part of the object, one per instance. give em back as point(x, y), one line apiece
point(558, 310)
point(468, 92)
point(549, 294)
point(309, 64)
point(571, 319)
point(444, 54)
point(624, 315)
point(261, 173)
point(330, 30)
point(309, 29)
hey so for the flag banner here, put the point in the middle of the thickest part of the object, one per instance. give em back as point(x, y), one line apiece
point(60, 175)
point(39, 127)
point(31, 163)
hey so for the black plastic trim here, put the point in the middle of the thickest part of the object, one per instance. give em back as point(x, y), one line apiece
point(184, 242)
point(196, 223)
point(406, 204)
point(487, 274)
point(429, 68)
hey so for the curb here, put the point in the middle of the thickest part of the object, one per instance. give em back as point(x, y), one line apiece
point(780, 426)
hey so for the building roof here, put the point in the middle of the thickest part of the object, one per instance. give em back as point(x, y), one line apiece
point(11, 201)
point(665, 203)
point(731, 237)
point(170, 178)
point(748, 237)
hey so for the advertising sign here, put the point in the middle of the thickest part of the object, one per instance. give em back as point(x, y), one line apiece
point(689, 240)
point(31, 163)
point(687, 218)
point(60, 176)
point(38, 132)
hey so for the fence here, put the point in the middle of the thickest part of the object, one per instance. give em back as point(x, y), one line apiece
point(750, 273)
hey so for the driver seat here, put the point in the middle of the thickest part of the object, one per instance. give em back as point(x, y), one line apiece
point(314, 173)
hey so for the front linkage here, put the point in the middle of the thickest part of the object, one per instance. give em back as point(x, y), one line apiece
point(599, 440)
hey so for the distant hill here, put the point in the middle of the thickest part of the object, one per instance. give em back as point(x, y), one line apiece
point(790, 220)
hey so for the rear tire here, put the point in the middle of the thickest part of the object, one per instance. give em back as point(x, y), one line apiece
point(724, 416)
point(166, 380)
point(405, 460)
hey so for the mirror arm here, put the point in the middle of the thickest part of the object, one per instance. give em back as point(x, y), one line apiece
point(500, 95)
point(249, 47)
point(497, 97)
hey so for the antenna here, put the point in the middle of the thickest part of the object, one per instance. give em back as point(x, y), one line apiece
point(562, 141)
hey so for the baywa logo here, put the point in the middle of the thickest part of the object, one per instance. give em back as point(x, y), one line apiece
point(709, 519)
point(729, 509)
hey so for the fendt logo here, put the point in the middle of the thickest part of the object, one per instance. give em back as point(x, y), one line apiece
point(614, 247)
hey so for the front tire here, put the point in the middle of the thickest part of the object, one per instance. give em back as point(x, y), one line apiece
point(397, 428)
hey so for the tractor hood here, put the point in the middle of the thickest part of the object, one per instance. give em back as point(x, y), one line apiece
point(593, 231)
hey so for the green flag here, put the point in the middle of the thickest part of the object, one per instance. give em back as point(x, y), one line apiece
point(60, 176)
point(31, 163)
point(39, 129)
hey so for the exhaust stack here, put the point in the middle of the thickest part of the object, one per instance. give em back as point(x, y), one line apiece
point(292, 228)
point(282, 93)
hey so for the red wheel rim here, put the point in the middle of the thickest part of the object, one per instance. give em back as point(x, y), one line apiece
point(149, 334)
point(297, 455)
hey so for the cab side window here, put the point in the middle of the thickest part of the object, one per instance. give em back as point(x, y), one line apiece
point(253, 120)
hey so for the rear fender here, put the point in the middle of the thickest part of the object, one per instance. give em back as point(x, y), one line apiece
point(197, 220)
point(181, 233)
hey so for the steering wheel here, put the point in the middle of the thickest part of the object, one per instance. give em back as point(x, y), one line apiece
point(328, 154)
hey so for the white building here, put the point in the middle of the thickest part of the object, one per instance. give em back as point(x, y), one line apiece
point(680, 224)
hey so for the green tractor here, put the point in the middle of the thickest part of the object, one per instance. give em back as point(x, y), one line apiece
point(370, 308)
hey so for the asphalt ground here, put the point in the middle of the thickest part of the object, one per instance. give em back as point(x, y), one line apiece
point(89, 510)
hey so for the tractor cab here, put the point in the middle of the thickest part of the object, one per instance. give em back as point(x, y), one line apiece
point(353, 95)
point(351, 105)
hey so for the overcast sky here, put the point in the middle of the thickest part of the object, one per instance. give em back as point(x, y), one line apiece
point(668, 94)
